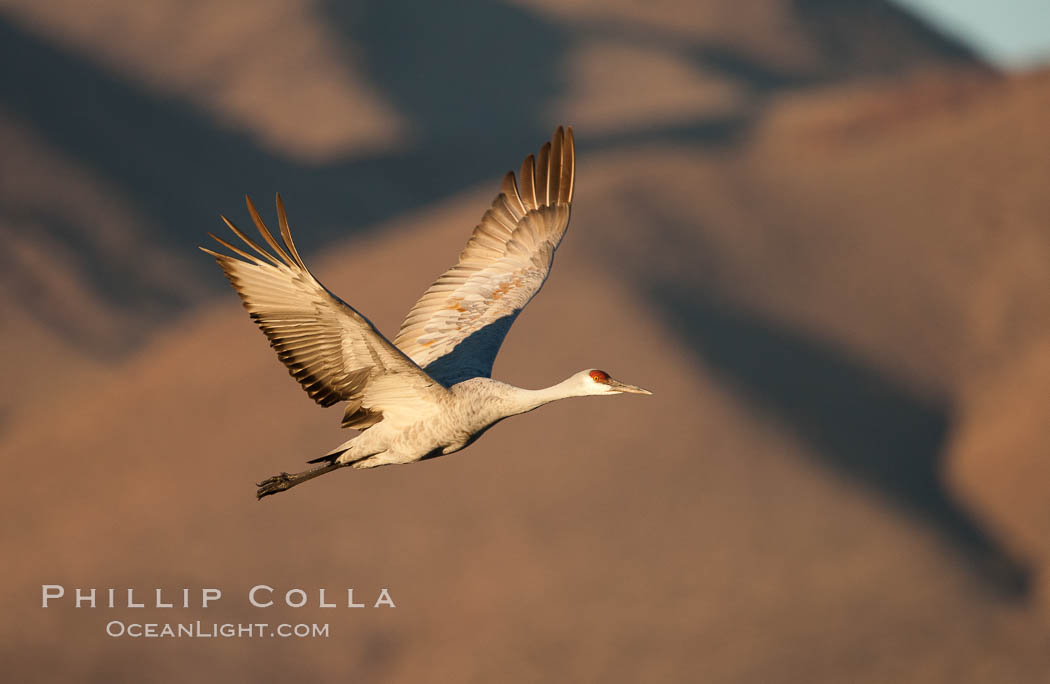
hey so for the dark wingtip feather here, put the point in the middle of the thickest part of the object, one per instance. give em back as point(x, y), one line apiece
point(247, 240)
point(286, 232)
point(265, 232)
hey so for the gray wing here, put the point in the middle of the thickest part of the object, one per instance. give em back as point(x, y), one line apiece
point(334, 352)
point(456, 328)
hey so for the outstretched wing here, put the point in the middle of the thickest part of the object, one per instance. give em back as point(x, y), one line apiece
point(456, 328)
point(334, 352)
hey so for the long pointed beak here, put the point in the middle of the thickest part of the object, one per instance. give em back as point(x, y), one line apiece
point(624, 387)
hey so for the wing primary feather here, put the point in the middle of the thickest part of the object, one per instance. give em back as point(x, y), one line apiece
point(236, 250)
point(509, 187)
point(542, 173)
point(251, 243)
point(568, 168)
point(528, 183)
point(554, 173)
point(265, 232)
point(286, 232)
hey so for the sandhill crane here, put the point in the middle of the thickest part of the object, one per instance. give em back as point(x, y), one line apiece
point(428, 393)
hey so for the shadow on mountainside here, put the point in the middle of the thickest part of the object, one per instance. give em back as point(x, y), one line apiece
point(857, 421)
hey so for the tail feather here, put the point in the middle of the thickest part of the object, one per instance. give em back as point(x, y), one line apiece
point(330, 457)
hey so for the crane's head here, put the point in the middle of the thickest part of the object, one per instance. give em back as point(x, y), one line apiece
point(597, 381)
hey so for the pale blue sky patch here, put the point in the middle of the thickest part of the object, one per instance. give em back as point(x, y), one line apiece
point(1011, 34)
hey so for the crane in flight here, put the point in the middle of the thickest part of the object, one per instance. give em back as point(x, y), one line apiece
point(429, 392)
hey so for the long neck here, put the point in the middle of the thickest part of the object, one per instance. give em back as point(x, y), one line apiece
point(522, 400)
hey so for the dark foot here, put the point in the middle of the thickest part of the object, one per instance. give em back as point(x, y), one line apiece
point(279, 483)
point(275, 485)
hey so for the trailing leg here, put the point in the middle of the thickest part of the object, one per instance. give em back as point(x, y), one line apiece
point(279, 483)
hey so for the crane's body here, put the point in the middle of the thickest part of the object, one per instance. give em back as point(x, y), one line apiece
point(428, 393)
point(453, 422)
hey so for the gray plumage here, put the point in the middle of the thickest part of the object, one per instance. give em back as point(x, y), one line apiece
point(428, 393)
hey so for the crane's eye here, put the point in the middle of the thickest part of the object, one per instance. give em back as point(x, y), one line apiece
point(599, 376)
